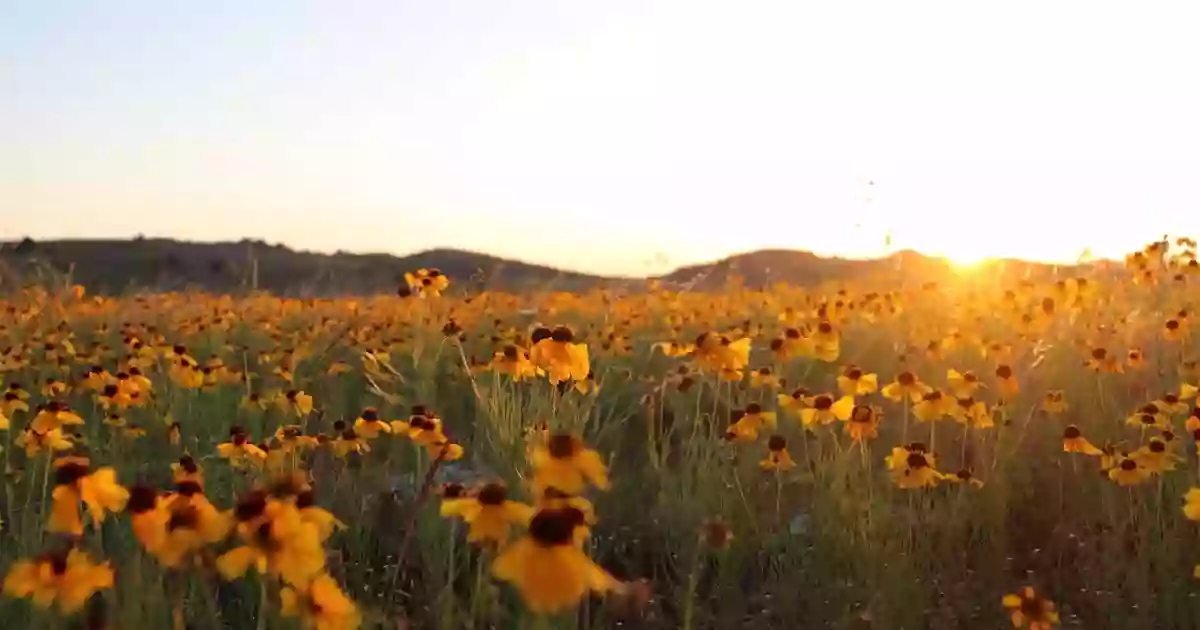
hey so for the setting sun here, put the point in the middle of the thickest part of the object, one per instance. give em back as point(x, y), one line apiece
point(966, 258)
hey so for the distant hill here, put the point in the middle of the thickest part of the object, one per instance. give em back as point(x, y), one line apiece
point(762, 268)
point(120, 266)
point(765, 267)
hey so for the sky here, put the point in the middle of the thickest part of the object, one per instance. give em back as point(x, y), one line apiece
point(614, 136)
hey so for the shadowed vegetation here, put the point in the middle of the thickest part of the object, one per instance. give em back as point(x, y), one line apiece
point(893, 446)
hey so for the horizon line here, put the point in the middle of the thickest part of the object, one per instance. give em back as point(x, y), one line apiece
point(448, 248)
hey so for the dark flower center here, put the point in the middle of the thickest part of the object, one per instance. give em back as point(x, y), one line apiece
point(188, 488)
point(553, 528)
point(69, 474)
point(142, 499)
point(264, 537)
point(184, 518)
point(562, 446)
point(250, 506)
point(493, 494)
point(58, 563)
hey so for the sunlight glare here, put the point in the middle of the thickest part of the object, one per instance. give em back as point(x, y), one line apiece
point(966, 259)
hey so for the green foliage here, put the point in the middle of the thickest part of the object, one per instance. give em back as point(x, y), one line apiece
point(833, 543)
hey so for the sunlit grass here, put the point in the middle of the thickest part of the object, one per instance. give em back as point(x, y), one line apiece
point(730, 505)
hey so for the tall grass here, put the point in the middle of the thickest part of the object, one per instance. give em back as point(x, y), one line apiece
point(832, 543)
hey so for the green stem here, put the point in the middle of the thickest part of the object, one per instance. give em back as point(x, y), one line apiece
point(689, 596)
point(485, 560)
point(47, 464)
point(737, 480)
point(778, 498)
point(263, 602)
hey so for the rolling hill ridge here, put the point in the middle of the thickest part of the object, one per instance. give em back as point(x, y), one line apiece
point(120, 266)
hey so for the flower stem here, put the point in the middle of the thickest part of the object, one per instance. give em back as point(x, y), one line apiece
point(48, 463)
point(689, 596)
point(262, 602)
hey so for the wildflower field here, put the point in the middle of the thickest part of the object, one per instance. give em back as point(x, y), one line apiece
point(971, 454)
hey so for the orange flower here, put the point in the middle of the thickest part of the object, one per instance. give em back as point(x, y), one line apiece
point(1074, 442)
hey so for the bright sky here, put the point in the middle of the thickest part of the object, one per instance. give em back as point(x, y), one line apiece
point(620, 136)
